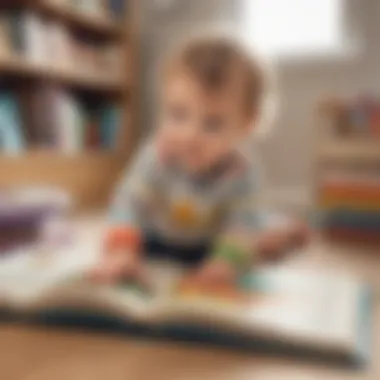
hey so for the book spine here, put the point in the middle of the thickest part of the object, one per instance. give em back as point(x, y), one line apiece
point(32, 37)
point(352, 235)
point(58, 46)
point(11, 135)
point(68, 124)
point(375, 122)
point(352, 219)
point(117, 8)
point(110, 125)
point(5, 36)
point(346, 193)
point(16, 32)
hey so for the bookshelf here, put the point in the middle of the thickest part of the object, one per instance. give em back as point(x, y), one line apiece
point(89, 167)
point(347, 178)
point(101, 24)
point(87, 81)
point(352, 151)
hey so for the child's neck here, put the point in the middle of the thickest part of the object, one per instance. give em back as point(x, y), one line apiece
point(215, 171)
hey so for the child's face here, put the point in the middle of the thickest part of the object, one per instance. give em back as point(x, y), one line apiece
point(198, 128)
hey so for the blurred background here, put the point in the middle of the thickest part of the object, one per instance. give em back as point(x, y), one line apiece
point(320, 49)
point(78, 94)
point(77, 98)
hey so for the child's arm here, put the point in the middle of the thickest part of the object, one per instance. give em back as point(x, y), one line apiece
point(122, 243)
point(233, 251)
point(235, 243)
point(247, 238)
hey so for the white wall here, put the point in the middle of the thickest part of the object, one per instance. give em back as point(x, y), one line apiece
point(288, 152)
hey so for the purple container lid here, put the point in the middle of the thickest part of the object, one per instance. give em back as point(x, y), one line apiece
point(31, 205)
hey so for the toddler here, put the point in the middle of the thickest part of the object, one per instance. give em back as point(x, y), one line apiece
point(191, 194)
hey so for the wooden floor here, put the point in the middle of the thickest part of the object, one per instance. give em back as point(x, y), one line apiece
point(43, 354)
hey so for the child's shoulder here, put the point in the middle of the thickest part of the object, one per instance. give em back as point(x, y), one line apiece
point(145, 159)
point(244, 167)
point(243, 176)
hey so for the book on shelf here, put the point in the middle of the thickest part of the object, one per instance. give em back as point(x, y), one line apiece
point(97, 9)
point(350, 218)
point(26, 95)
point(351, 176)
point(59, 51)
point(272, 309)
point(5, 43)
point(354, 235)
point(358, 117)
point(116, 8)
point(48, 43)
point(93, 8)
point(356, 191)
point(369, 192)
point(327, 203)
point(110, 125)
point(11, 133)
point(92, 131)
point(70, 124)
point(349, 201)
point(22, 34)
point(40, 116)
point(58, 119)
point(34, 34)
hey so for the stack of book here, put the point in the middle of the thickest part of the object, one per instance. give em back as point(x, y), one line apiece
point(356, 118)
point(49, 44)
point(96, 8)
point(116, 8)
point(26, 213)
point(11, 135)
point(351, 205)
point(54, 118)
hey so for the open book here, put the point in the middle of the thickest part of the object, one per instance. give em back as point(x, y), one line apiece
point(274, 309)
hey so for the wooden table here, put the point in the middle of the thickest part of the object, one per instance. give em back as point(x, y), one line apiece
point(48, 354)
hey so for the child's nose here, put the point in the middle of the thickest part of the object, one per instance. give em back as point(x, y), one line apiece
point(191, 135)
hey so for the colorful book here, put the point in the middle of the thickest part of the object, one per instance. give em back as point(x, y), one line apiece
point(5, 38)
point(17, 36)
point(375, 122)
point(42, 114)
point(357, 205)
point(11, 135)
point(352, 191)
point(274, 309)
point(58, 49)
point(347, 218)
point(353, 235)
point(110, 126)
point(93, 138)
point(70, 123)
point(117, 8)
point(34, 36)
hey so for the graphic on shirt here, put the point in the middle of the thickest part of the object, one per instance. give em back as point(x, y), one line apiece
point(184, 213)
point(188, 213)
point(176, 205)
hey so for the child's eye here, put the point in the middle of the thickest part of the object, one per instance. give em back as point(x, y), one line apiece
point(178, 114)
point(213, 124)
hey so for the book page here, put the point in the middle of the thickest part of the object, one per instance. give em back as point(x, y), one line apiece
point(27, 273)
point(276, 303)
point(36, 279)
point(309, 308)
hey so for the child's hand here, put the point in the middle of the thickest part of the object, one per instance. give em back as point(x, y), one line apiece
point(216, 272)
point(120, 265)
point(275, 244)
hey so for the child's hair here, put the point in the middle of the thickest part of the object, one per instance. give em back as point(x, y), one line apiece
point(215, 61)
